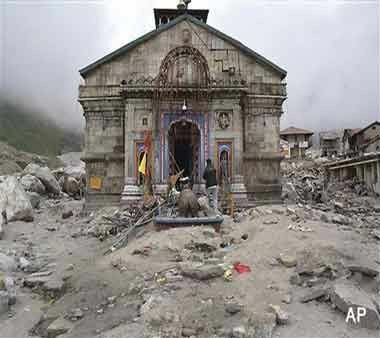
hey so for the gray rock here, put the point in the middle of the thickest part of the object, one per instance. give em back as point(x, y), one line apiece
point(45, 176)
point(32, 184)
point(4, 302)
point(238, 332)
point(262, 325)
point(54, 287)
point(201, 272)
point(35, 199)
point(340, 219)
point(282, 317)
point(75, 314)
point(70, 186)
point(287, 299)
point(296, 279)
point(313, 295)
point(288, 260)
point(233, 308)
point(3, 221)
point(189, 332)
point(365, 269)
point(346, 295)
point(59, 327)
point(11, 289)
point(50, 286)
point(67, 214)
point(23, 263)
point(77, 172)
point(325, 218)
point(14, 201)
point(7, 263)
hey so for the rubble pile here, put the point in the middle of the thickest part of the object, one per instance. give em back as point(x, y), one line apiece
point(23, 192)
point(307, 182)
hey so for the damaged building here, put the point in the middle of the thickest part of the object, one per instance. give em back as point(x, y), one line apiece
point(201, 93)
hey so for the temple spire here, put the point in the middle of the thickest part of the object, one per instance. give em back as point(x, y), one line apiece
point(183, 4)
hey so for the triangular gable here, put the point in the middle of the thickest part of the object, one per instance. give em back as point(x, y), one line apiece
point(172, 23)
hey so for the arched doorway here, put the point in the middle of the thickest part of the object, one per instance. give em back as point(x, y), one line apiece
point(184, 147)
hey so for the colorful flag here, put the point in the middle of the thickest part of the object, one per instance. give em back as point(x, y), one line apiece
point(142, 167)
point(148, 141)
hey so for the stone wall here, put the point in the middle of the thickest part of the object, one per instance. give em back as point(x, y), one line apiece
point(104, 148)
point(145, 59)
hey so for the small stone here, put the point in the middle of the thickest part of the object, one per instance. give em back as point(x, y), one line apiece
point(67, 214)
point(238, 332)
point(76, 314)
point(287, 299)
point(233, 308)
point(271, 221)
point(70, 267)
point(201, 272)
point(59, 327)
point(338, 205)
point(23, 263)
point(296, 279)
point(376, 234)
point(287, 260)
point(325, 218)
point(290, 211)
point(188, 332)
point(313, 295)
point(244, 237)
point(282, 317)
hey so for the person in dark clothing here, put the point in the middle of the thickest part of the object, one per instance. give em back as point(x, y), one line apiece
point(209, 176)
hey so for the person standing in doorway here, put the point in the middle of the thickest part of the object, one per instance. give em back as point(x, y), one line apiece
point(209, 176)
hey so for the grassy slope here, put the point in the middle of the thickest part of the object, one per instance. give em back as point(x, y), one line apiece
point(33, 133)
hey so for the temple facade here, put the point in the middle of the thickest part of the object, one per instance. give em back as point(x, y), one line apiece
point(201, 93)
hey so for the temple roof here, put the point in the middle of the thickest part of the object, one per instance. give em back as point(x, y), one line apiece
point(162, 28)
point(295, 131)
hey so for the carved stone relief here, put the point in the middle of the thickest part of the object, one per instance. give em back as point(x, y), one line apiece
point(224, 120)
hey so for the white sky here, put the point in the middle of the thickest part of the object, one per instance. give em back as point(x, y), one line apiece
point(329, 48)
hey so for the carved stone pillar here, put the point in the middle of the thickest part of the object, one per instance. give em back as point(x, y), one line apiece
point(132, 193)
point(262, 158)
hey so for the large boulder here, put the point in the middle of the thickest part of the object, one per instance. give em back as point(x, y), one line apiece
point(71, 186)
point(14, 201)
point(33, 184)
point(45, 176)
point(7, 263)
point(35, 199)
point(78, 172)
point(8, 167)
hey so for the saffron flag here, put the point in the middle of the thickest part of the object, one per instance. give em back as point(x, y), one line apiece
point(142, 167)
point(148, 141)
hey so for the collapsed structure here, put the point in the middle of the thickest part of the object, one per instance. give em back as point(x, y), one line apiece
point(200, 93)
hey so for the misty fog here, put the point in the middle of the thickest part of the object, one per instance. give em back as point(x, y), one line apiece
point(329, 48)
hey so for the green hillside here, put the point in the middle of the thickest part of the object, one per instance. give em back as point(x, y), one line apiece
point(31, 132)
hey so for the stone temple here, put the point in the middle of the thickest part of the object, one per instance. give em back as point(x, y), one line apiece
point(201, 94)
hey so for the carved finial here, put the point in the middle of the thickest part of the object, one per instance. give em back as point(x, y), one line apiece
point(183, 4)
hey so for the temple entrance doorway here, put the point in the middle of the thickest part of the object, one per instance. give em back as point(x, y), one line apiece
point(184, 147)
